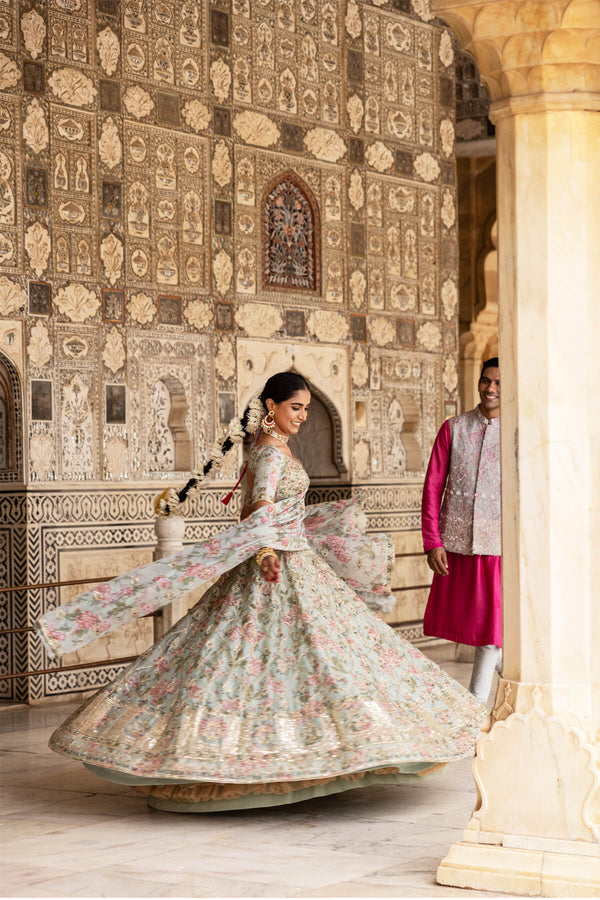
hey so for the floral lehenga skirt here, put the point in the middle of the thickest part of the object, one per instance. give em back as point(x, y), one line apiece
point(272, 693)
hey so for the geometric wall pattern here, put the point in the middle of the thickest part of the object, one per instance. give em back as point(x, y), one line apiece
point(139, 143)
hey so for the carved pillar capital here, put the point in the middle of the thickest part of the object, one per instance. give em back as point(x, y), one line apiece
point(532, 55)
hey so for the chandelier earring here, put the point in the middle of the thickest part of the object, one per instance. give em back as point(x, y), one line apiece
point(268, 426)
point(268, 423)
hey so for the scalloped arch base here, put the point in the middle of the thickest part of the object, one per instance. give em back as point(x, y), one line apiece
point(535, 828)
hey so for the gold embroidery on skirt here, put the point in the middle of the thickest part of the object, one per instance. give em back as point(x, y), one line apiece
point(209, 791)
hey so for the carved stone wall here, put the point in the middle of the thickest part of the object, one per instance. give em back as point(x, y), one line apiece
point(138, 141)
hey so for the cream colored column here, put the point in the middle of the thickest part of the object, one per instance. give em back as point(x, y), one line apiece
point(536, 826)
point(169, 533)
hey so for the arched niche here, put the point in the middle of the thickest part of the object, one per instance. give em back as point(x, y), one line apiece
point(11, 421)
point(403, 418)
point(329, 381)
point(168, 436)
point(291, 245)
point(319, 442)
point(410, 427)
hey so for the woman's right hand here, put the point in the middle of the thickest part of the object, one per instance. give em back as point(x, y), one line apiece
point(269, 568)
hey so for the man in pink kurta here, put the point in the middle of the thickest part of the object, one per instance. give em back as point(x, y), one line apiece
point(460, 522)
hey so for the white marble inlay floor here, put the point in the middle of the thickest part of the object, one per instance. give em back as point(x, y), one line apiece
point(65, 833)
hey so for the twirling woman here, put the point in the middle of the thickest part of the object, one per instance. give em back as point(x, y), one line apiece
point(280, 684)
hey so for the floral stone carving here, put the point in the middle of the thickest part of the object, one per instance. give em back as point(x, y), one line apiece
point(111, 253)
point(71, 86)
point(223, 271)
point(259, 320)
point(71, 212)
point(325, 144)
point(114, 351)
point(446, 50)
point(196, 115)
point(448, 211)
point(359, 369)
point(35, 127)
point(225, 360)
point(39, 348)
point(356, 193)
point(142, 308)
point(220, 76)
point(199, 314)
point(9, 72)
point(109, 48)
point(109, 145)
point(256, 128)
point(449, 298)
point(221, 165)
point(327, 326)
point(138, 102)
point(37, 244)
point(290, 235)
point(41, 455)
point(358, 287)
point(382, 331)
point(115, 457)
point(426, 167)
point(12, 297)
point(447, 136)
point(450, 375)
point(355, 109)
point(379, 157)
point(353, 21)
point(360, 456)
point(34, 32)
point(422, 9)
point(77, 302)
point(429, 336)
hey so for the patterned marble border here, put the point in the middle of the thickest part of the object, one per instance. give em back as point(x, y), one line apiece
point(39, 523)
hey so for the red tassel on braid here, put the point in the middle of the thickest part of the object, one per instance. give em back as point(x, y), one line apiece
point(227, 498)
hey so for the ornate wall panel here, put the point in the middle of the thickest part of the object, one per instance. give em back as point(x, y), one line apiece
point(138, 140)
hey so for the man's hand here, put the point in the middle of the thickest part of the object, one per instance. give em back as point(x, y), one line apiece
point(269, 568)
point(438, 561)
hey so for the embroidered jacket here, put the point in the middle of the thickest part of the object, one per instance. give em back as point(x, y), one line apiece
point(466, 461)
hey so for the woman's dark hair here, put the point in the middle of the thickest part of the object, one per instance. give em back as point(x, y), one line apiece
point(278, 388)
point(491, 363)
point(282, 386)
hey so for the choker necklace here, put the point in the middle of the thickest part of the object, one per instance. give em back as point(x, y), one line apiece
point(284, 438)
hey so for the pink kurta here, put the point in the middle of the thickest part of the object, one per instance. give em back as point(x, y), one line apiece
point(466, 604)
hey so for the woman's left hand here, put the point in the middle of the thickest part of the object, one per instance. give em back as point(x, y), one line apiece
point(269, 568)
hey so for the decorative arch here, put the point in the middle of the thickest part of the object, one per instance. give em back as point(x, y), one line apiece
point(410, 428)
point(174, 429)
point(291, 235)
point(330, 444)
point(11, 421)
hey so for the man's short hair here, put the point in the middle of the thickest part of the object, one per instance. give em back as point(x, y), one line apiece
point(489, 364)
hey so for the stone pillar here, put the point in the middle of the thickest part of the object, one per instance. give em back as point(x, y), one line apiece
point(169, 533)
point(536, 825)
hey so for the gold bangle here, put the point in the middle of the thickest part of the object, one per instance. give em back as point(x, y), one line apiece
point(263, 553)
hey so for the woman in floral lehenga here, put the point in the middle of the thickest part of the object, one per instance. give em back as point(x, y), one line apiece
point(280, 684)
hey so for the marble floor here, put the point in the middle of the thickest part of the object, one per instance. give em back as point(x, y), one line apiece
point(66, 833)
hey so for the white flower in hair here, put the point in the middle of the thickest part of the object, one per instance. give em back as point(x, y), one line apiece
point(256, 413)
point(216, 455)
point(167, 503)
point(236, 431)
point(172, 498)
